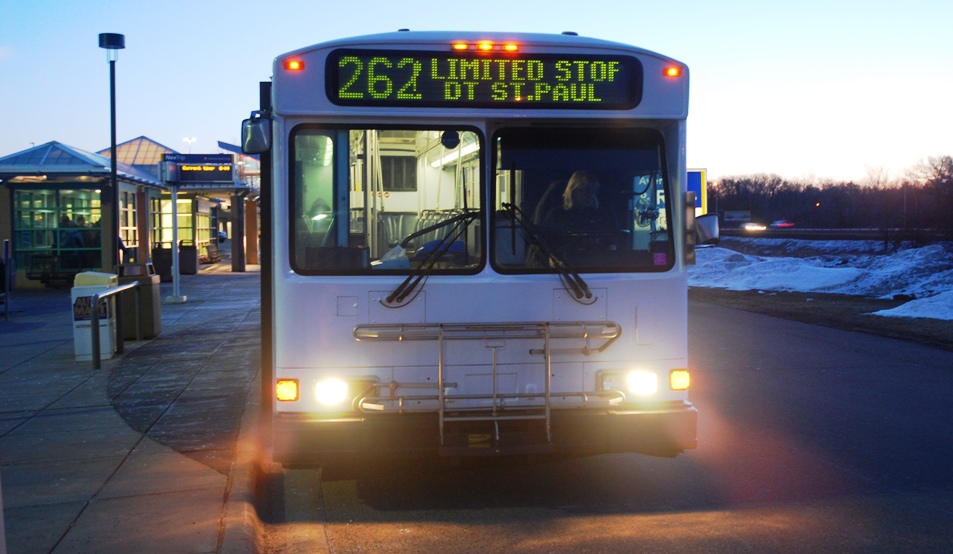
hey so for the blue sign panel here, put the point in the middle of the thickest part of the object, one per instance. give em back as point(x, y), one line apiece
point(697, 183)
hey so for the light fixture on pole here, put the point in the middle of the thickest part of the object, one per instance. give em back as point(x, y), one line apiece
point(190, 140)
point(113, 43)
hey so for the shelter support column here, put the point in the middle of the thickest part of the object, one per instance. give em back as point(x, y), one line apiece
point(144, 232)
point(251, 232)
point(238, 231)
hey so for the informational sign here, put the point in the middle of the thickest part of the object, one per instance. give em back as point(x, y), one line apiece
point(698, 183)
point(738, 215)
point(192, 168)
point(83, 309)
point(491, 80)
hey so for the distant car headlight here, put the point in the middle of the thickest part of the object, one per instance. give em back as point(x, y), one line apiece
point(331, 392)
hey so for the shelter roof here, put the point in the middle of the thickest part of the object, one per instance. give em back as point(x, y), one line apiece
point(142, 153)
point(57, 161)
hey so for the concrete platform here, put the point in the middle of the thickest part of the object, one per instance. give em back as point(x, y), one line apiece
point(151, 453)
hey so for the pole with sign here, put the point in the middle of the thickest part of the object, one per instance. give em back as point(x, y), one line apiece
point(193, 172)
point(177, 297)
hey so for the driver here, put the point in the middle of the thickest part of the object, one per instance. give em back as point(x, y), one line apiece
point(579, 212)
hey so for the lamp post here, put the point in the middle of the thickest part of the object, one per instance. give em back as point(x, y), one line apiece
point(113, 43)
point(190, 140)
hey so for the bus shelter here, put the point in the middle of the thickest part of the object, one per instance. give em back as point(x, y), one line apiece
point(54, 206)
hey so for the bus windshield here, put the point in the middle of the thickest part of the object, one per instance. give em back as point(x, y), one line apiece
point(593, 199)
point(375, 201)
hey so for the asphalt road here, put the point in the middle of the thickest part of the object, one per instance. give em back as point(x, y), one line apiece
point(810, 440)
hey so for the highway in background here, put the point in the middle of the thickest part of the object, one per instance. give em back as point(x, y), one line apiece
point(734, 230)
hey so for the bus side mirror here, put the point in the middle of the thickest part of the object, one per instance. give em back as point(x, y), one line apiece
point(256, 134)
point(707, 229)
point(698, 230)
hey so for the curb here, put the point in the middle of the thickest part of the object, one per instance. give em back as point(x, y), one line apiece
point(243, 531)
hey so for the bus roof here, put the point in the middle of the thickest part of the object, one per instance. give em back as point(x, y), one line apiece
point(405, 38)
point(304, 84)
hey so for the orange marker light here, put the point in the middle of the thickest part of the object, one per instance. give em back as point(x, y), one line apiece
point(485, 45)
point(294, 65)
point(679, 379)
point(672, 71)
point(286, 390)
point(460, 46)
point(510, 47)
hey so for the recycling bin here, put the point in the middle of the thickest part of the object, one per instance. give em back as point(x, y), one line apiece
point(150, 307)
point(85, 285)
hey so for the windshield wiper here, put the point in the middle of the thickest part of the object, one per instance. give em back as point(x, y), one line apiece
point(460, 223)
point(572, 282)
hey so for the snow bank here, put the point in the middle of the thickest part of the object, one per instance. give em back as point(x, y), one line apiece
point(840, 267)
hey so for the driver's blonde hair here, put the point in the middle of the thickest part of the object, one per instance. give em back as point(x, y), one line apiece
point(582, 191)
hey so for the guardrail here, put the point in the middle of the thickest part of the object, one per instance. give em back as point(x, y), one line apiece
point(810, 233)
point(94, 323)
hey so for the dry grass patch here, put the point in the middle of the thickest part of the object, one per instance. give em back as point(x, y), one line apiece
point(839, 311)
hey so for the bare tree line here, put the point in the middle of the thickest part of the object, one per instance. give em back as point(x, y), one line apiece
point(921, 200)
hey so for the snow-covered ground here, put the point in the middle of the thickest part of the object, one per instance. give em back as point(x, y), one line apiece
point(859, 268)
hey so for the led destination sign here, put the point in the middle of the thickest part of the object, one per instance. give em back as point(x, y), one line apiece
point(205, 172)
point(493, 80)
point(198, 168)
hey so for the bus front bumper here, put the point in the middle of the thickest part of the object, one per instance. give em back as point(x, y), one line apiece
point(659, 430)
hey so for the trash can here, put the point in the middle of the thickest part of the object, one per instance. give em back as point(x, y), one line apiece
point(162, 261)
point(85, 285)
point(150, 308)
point(188, 259)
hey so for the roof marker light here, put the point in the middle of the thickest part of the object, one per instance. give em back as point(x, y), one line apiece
point(484, 46)
point(294, 65)
point(672, 71)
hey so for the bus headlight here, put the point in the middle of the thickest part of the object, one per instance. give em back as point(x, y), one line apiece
point(638, 382)
point(330, 392)
point(642, 382)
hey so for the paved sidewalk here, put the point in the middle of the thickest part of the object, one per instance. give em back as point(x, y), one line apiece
point(147, 454)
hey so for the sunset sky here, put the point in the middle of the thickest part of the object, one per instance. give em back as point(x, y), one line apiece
point(808, 90)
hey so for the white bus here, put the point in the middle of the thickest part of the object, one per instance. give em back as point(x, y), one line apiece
point(478, 247)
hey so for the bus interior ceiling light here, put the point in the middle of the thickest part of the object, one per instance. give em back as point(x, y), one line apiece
point(456, 154)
